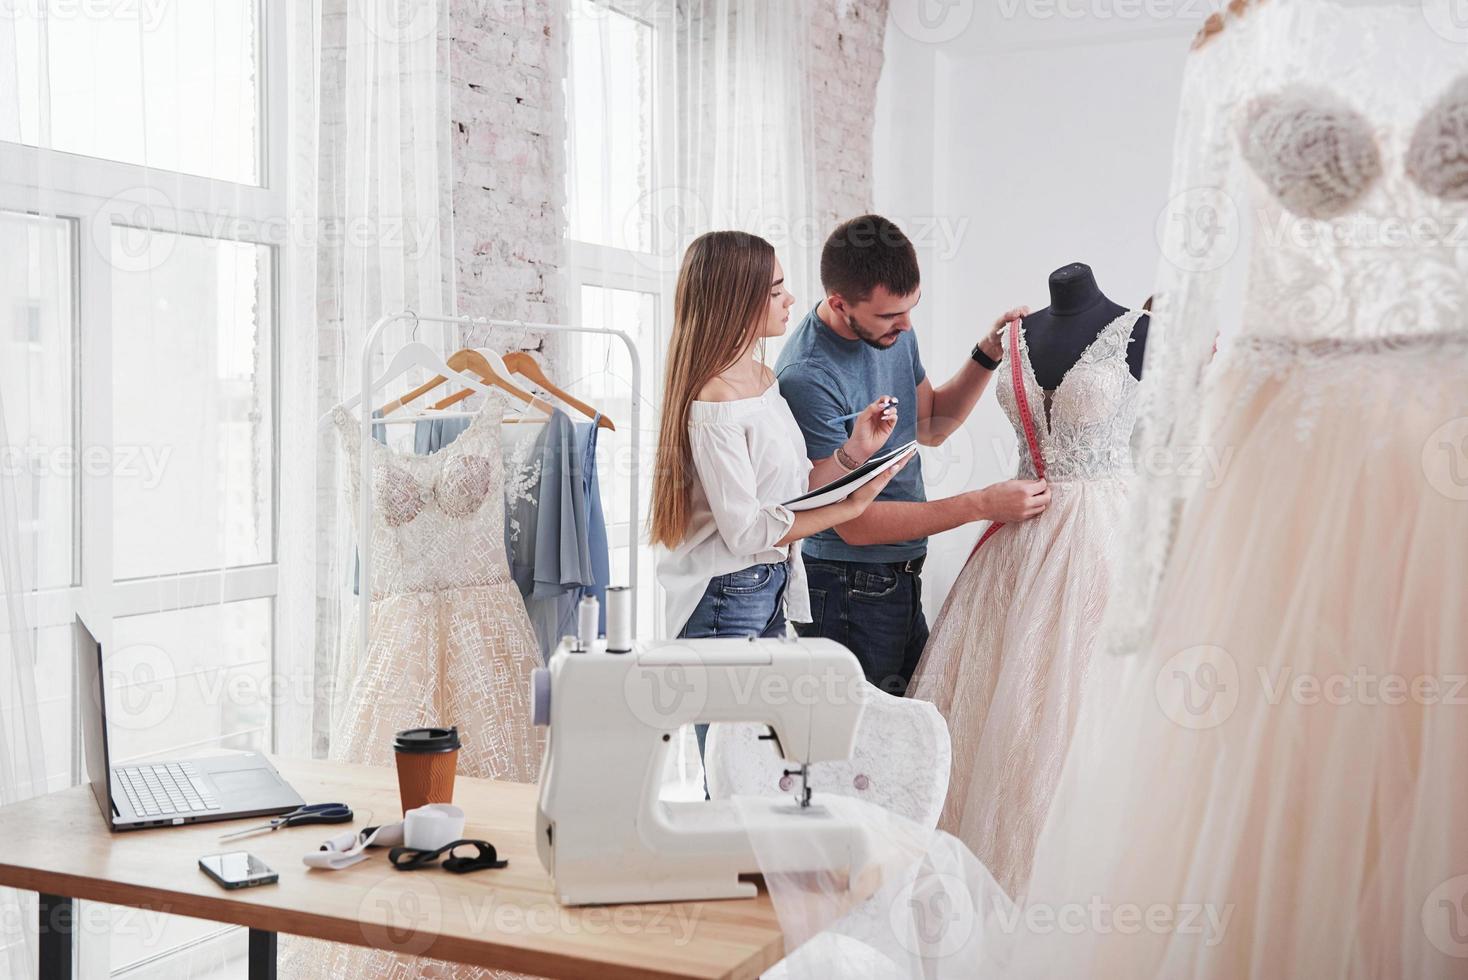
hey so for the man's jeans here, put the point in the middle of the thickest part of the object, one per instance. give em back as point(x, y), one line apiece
point(873, 609)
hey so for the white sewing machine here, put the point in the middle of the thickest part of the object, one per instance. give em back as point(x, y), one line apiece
point(601, 830)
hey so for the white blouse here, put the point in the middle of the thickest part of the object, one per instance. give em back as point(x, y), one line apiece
point(748, 456)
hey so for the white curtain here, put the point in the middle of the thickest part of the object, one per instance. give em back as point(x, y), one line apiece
point(371, 205)
point(22, 760)
point(742, 98)
point(26, 265)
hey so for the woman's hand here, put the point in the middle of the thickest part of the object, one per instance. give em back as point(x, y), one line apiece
point(870, 431)
point(808, 522)
point(863, 495)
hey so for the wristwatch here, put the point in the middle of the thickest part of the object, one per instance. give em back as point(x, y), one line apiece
point(984, 360)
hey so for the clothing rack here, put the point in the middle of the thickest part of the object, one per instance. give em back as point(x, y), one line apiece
point(364, 503)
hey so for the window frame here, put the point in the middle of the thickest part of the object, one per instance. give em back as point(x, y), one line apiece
point(653, 272)
point(89, 191)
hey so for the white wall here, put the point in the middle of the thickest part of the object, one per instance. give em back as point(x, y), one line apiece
point(1014, 148)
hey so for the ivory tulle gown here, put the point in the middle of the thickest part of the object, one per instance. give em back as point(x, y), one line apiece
point(1010, 653)
point(1284, 777)
point(1279, 785)
point(451, 644)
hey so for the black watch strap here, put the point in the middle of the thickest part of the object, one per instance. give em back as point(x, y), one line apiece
point(984, 360)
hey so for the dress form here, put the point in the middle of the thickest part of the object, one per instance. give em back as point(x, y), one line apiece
point(1058, 335)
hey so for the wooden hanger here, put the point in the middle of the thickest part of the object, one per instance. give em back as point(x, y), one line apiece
point(527, 366)
point(1217, 21)
point(469, 359)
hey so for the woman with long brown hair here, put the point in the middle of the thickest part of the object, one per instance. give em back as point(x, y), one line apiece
point(729, 452)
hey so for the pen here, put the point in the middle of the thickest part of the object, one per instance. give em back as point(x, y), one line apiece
point(848, 418)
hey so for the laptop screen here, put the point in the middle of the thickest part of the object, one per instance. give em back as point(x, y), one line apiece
point(94, 716)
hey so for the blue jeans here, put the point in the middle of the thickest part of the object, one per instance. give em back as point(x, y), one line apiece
point(749, 602)
point(874, 609)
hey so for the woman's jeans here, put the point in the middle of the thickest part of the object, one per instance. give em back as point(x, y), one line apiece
point(749, 602)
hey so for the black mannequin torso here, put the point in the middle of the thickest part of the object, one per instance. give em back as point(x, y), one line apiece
point(1058, 335)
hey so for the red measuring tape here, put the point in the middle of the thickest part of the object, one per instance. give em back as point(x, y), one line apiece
point(1026, 419)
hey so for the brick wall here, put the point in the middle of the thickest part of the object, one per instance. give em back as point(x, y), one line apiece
point(508, 160)
point(845, 62)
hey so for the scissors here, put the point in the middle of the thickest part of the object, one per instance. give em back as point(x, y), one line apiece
point(312, 813)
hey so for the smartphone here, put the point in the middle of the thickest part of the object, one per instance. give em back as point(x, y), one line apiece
point(237, 869)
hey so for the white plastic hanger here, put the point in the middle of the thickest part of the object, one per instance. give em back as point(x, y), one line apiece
point(414, 354)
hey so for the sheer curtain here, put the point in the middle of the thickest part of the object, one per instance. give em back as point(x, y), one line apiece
point(29, 270)
point(371, 212)
point(22, 756)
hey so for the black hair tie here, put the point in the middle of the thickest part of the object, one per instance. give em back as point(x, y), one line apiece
point(412, 858)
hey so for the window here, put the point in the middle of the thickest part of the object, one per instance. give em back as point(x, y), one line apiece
point(170, 86)
point(618, 277)
point(140, 173)
point(37, 357)
point(610, 127)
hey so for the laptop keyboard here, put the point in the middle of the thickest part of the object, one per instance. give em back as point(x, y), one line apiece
point(172, 788)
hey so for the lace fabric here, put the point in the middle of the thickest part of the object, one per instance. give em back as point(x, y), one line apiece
point(1287, 109)
point(1088, 418)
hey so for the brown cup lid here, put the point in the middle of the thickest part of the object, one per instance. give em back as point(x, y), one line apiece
point(421, 741)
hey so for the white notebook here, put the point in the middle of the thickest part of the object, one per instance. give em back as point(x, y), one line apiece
point(842, 488)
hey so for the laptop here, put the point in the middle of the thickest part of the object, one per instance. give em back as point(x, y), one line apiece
point(167, 794)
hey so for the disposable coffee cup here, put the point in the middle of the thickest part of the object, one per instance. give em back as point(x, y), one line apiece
point(426, 760)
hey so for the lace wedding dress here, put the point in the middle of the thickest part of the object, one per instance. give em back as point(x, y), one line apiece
point(1279, 787)
point(450, 641)
point(1283, 779)
point(450, 644)
point(1009, 654)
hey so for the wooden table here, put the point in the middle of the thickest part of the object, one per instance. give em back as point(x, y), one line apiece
point(57, 845)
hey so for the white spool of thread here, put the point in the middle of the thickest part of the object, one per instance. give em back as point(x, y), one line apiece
point(619, 619)
point(588, 619)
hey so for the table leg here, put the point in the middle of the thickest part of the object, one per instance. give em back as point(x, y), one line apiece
point(56, 926)
point(262, 955)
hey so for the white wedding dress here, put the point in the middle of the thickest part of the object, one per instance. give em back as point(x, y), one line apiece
point(450, 644)
point(1283, 780)
point(1280, 786)
point(1010, 653)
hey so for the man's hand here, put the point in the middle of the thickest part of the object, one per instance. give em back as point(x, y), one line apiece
point(872, 428)
point(1011, 501)
point(992, 344)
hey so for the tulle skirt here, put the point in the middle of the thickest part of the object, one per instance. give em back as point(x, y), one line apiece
point(1278, 786)
point(1281, 788)
point(1007, 662)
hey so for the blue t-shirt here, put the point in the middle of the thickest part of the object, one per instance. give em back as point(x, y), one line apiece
point(823, 377)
